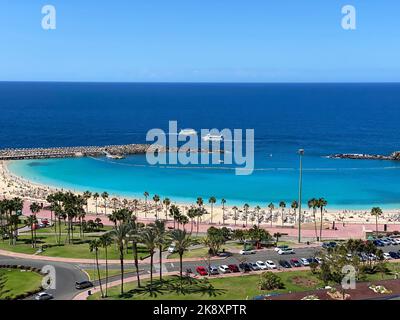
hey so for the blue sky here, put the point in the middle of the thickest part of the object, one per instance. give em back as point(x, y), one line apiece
point(200, 40)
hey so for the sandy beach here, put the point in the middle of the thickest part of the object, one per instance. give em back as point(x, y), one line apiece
point(14, 186)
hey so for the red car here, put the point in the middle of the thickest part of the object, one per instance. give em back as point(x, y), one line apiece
point(201, 271)
point(295, 263)
point(233, 268)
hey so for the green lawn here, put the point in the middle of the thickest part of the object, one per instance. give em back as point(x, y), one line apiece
point(202, 252)
point(79, 249)
point(17, 282)
point(230, 288)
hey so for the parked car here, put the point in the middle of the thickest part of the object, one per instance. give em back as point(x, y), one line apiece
point(254, 266)
point(201, 271)
point(378, 243)
point(261, 265)
point(233, 268)
point(171, 248)
point(286, 251)
point(330, 244)
point(393, 241)
point(270, 264)
point(295, 262)
point(245, 266)
point(312, 260)
point(79, 285)
point(224, 268)
point(43, 296)
point(284, 264)
point(385, 241)
point(304, 262)
point(212, 270)
point(280, 247)
point(394, 255)
point(247, 252)
point(397, 240)
point(386, 256)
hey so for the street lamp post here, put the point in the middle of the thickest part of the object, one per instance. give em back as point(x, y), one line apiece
point(301, 153)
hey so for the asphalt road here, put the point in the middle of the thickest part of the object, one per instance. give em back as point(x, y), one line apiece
point(65, 275)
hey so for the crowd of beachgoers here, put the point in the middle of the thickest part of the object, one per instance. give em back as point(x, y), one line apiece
point(219, 211)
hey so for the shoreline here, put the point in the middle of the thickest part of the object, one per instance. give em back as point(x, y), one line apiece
point(14, 185)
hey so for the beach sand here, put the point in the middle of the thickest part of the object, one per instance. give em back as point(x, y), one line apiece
point(13, 186)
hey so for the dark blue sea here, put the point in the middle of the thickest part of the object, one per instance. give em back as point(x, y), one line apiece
point(321, 118)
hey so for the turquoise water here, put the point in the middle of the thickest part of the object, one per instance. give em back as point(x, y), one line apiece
point(344, 183)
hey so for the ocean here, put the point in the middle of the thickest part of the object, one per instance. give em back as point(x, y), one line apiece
point(321, 118)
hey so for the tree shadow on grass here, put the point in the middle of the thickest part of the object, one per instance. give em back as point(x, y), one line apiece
point(176, 286)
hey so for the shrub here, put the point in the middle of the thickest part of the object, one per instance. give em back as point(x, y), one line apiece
point(270, 281)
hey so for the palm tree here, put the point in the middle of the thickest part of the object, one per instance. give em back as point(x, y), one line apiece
point(166, 203)
point(149, 237)
point(376, 211)
point(146, 194)
point(114, 200)
point(321, 204)
point(119, 235)
point(223, 201)
point(95, 197)
point(212, 201)
point(104, 195)
point(182, 242)
point(271, 208)
point(156, 199)
point(191, 213)
point(200, 202)
point(282, 205)
point(135, 233)
point(246, 212)
point(106, 241)
point(94, 246)
point(235, 216)
point(35, 208)
point(312, 203)
point(32, 221)
point(294, 206)
point(87, 195)
point(161, 240)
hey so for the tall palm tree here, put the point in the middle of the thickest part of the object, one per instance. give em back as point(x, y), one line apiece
point(294, 206)
point(106, 241)
point(156, 199)
point(114, 200)
point(282, 205)
point(271, 208)
point(32, 221)
point(135, 233)
point(87, 195)
point(146, 195)
point(35, 209)
point(191, 213)
point(149, 237)
point(223, 201)
point(235, 216)
point(161, 240)
point(104, 195)
point(182, 242)
point(94, 246)
point(246, 212)
point(321, 204)
point(95, 197)
point(313, 203)
point(377, 212)
point(166, 203)
point(212, 201)
point(119, 235)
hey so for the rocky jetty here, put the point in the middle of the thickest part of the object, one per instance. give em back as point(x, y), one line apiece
point(395, 156)
point(70, 152)
point(111, 151)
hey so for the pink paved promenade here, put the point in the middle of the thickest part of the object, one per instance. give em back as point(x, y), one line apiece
point(343, 232)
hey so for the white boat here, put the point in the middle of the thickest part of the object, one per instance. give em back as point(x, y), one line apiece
point(213, 137)
point(187, 132)
point(114, 156)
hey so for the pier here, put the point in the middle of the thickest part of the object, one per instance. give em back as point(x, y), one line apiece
point(116, 151)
